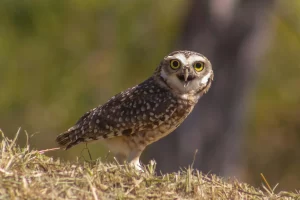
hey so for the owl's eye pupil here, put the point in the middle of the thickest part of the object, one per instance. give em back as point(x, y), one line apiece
point(198, 66)
point(175, 64)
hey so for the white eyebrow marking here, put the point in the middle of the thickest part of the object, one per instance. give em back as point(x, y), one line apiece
point(194, 58)
point(187, 61)
point(180, 57)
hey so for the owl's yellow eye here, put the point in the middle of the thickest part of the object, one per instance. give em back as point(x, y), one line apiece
point(175, 64)
point(198, 66)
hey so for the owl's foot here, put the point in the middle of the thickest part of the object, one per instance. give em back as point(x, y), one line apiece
point(134, 160)
point(137, 165)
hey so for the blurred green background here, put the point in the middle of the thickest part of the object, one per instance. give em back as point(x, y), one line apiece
point(58, 59)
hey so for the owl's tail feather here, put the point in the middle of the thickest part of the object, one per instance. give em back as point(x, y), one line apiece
point(69, 138)
point(74, 135)
point(63, 139)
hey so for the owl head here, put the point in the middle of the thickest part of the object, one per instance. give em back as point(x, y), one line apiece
point(186, 72)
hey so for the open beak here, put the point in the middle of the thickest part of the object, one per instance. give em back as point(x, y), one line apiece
point(185, 75)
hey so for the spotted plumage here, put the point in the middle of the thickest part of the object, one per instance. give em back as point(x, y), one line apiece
point(145, 113)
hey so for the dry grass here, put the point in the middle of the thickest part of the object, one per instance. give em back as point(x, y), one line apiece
point(28, 174)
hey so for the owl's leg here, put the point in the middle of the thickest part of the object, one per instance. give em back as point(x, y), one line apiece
point(134, 159)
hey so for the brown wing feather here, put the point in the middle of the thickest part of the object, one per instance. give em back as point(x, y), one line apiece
point(142, 107)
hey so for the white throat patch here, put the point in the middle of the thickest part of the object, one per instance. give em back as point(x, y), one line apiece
point(205, 78)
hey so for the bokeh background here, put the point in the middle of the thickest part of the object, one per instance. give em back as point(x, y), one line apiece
point(58, 59)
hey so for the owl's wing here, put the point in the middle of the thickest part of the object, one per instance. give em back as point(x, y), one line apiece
point(127, 114)
point(131, 111)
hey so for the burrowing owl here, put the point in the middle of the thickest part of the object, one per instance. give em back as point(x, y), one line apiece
point(145, 113)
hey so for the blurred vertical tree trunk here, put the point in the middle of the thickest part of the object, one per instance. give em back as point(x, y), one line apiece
point(232, 35)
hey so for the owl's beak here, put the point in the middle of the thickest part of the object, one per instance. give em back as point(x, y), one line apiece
point(185, 74)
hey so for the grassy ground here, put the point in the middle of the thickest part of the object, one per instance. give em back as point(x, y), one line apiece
point(28, 174)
